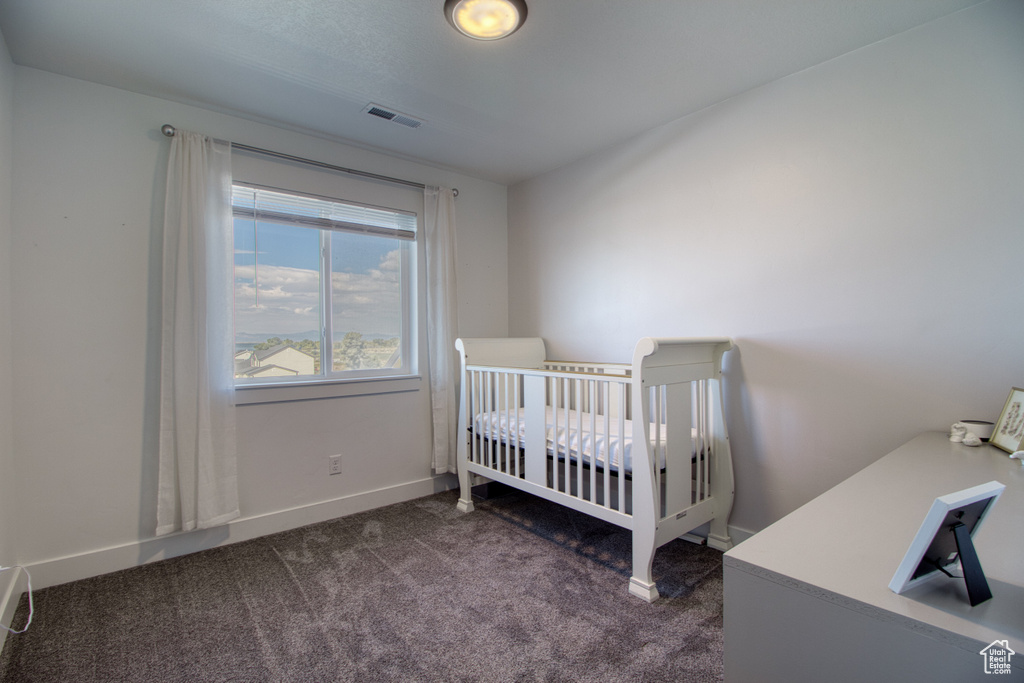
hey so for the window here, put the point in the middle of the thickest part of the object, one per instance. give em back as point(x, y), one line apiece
point(323, 288)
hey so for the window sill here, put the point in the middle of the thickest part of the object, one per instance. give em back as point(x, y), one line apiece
point(279, 393)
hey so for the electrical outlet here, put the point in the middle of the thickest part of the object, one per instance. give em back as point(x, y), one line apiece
point(335, 464)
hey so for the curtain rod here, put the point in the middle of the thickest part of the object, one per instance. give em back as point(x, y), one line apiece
point(169, 130)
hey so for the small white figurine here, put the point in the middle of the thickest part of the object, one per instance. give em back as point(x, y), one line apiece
point(1020, 456)
point(957, 432)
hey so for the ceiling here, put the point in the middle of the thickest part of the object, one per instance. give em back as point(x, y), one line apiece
point(579, 76)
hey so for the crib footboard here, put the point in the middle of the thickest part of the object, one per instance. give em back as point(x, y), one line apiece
point(680, 378)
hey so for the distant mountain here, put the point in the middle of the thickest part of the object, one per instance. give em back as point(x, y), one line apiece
point(369, 336)
point(313, 335)
point(257, 337)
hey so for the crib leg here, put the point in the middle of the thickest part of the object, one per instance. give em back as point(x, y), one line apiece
point(642, 589)
point(641, 584)
point(465, 491)
point(718, 535)
point(465, 486)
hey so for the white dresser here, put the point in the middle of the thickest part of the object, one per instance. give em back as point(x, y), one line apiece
point(807, 599)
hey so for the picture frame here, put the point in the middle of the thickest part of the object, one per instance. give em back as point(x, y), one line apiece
point(938, 546)
point(1009, 430)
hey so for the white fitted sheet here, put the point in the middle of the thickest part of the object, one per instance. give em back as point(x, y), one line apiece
point(510, 428)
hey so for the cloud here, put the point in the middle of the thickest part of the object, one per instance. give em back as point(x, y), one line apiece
point(281, 301)
point(391, 262)
point(289, 299)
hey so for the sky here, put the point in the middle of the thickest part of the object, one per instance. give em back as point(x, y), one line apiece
point(366, 282)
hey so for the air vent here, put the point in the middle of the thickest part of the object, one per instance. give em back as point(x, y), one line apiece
point(393, 116)
point(407, 121)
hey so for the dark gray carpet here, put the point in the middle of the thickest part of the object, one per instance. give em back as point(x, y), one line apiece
point(519, 590)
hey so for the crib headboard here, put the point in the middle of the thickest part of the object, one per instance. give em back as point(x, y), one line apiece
point(519, 352)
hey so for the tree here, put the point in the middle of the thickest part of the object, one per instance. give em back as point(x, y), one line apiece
point(309, 346)
point(353, 351)
point(269, 344)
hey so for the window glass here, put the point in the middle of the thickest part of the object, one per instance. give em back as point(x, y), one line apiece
point(314, 273)
point(367, 306)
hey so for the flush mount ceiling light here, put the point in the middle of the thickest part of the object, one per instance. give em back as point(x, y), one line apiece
point(485, 19)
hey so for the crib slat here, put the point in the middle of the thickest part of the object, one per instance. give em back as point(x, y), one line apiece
point(500, 449)
point(562, 403)
point(620, 404)
point(499, 413)
point(655, 445)
point(474, 410)
point(481, 433)
point(470, 413)
point(606, 446)
point(483, 425)
point(494, 397)
point(488, 427)
point(511, 410)
point(702, 432)
point(578, 386)
point(553, 392)
point(592, 387)
point(567, 475)
point(483, 412)
point(516, 444)
point(707, 431)
point(555, 473)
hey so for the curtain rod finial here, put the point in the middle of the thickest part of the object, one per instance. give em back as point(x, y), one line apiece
point(167, 130)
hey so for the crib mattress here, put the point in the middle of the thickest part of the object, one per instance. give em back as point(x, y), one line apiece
point(510, 429)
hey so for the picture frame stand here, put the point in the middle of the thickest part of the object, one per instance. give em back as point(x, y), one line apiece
point(977, 585)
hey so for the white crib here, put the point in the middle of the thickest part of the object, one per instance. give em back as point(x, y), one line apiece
point(565, 431)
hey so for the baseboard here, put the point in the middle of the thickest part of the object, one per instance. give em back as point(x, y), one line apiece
point(13, 583)
point(95, 563)
point(700, 535)
point(739, 535)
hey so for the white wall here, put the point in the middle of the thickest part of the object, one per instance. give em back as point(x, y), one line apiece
point(857, 228)
point(88, 193)
point(8, 486)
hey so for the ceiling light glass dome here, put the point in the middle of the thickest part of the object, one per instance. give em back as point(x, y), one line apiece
point(485, 19)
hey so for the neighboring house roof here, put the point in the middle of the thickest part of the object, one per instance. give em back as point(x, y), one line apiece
point(282, 359)
point(267, 369)
point(274, 350)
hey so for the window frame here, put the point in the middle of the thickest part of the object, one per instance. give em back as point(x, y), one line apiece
point(329, 383)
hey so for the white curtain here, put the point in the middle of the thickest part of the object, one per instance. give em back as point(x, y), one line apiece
point(442, 322)
point(198, 478)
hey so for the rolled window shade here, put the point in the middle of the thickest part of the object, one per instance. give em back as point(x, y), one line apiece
point(266, 204)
